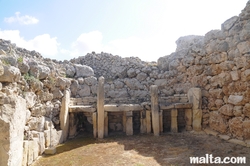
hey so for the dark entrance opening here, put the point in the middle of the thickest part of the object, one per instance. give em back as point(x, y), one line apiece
point(180, 120)
point(136, 122)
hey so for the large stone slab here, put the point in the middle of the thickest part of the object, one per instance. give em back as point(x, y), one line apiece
point(12, 122)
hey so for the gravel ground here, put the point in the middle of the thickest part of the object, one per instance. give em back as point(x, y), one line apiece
point(173, 149)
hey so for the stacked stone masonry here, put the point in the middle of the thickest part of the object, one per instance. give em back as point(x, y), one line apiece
point(203, 85)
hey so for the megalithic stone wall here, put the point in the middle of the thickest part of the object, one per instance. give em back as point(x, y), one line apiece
point(12, 122)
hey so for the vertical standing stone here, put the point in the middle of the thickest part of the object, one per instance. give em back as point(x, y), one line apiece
point(194, 96)
point(174, 124)
point(100, 107)
point(161, 121)
point(25, 153)
point(155, 109)
point(129, 123)
point(124, 118)
point(64, 114)
point(188, 118)
point(143, 127)
point(72, 125)
point(148, 121)
point(94, 124)
point(106, 124)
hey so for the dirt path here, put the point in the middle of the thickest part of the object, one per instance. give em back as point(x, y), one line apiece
point(141, 150)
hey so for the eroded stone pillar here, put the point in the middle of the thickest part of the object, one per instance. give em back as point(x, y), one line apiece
point(148, 121)
point(143, 127)
point(64, 114)
point(155, 109)
point(100, 107)
point(174, 124)
point(194, 96)
point(188, 118)
point(94, 124)
point(106, 124)
point(129, 122)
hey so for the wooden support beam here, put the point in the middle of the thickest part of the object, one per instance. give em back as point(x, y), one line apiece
point(155, 109)
point(100, 107)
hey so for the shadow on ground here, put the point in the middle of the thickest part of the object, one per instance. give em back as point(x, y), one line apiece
point(138, 150)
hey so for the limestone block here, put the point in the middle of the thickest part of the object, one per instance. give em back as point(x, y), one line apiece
point(35, 147)
point(217, 123)
point(174, 124)
point(83, 71)
point(244, 47)
point(60, 136)
point(38, 110)
point(155, 109)
point(227, 110)
point(237, 111)
point(30, 98)
point(236, 127)
point(63, 83)
point(131, 72)
point(100, 107)
point(11, 74)
point(25, 153)
point(211, 132)
point(51, 138)
point(228, 24)
point(246, 110)
point(12, 122)
point(36, 123)
point(236, 141)
point(235, 99)
point(235, 76)
point(64, 117)
point(129, 123)
point(225, 137)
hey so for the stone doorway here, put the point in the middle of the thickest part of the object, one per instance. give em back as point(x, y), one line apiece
point(81, 123)
point(181, 122)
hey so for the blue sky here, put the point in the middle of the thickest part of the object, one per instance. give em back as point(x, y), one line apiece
point(148, 29)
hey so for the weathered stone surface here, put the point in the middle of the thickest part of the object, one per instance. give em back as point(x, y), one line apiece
point(235, 99)
point(11, 74)
point(244, 47)
point(235, 126)
point(63, 83)
point(30, 98)
point(37, 123)
point(227, 110)
point(228, 24)
point(131, 73)
point(91, 81)
point(217, 123)
point(83, 71)
point(246, 110)
point(84, 90)
point(12, 121)
point(64, 117)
